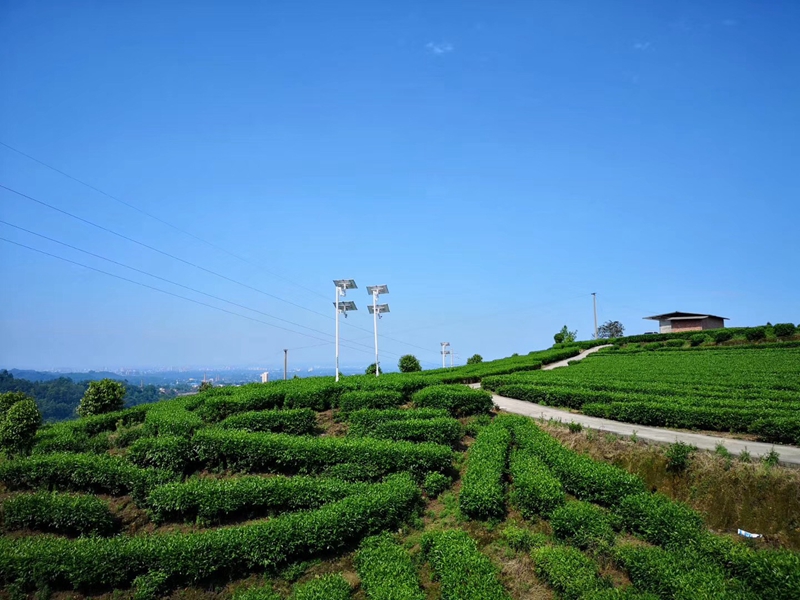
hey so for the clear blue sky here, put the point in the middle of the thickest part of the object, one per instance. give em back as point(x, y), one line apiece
point(493, 163)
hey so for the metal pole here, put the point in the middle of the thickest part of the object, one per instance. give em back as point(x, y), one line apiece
point(451, 358)
point(285, 362)
point(594, 301)
point(337, 333)
point(375, 319)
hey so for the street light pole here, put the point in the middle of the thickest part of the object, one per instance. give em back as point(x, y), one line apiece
point(342, 285)
point(376, 310)
point(594, 302)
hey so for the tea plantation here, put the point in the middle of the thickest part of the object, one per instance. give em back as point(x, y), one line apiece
point(376, 488)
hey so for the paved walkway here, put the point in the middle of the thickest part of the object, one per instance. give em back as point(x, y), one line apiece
point(789, 455)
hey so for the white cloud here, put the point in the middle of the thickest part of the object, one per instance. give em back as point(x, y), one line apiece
point(642, 46)
point(439, 47)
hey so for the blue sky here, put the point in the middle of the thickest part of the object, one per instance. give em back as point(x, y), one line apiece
point(493, 164)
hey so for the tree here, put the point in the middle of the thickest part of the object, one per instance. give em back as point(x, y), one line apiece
point(611, 329)
point(101, 397)
point(19, 420)
point(205, 385)
point(370, 370)
point(475, 359)
point(565, 335)
point(408, 363)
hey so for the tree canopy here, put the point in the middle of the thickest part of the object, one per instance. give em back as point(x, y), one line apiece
point(611, 329)
point(408, 363)
point(475, 359)
point(565, 335)
point(101, 397)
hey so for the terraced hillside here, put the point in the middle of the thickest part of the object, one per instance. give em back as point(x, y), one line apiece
point(402, 486)
point(752, 390)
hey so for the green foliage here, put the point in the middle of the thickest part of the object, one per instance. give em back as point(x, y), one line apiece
point(678, 455)
point(722, 335)
point(463, 571)
point(534, 490)
point(771, 459)
point(660, 520)
point(610, 329)
point(375, 399)
point(277, 452)
point(326, 587)
point(756, 334)
point(18, 424)
point(442, 430)
point(225, 553)
point(172, 417)
point(171, 453)
point(458, 399)
point(483, 489)
point(565, 336)
point(218, 500)
point(408, 363)
point(780, 430)
point(65, 437)
point(435, 484)
point(371, 368)
point(523, 540)
point(205, 386)
point(475, 359)
point(91, 473)
point(71, 514)
point(294, 421)
point(697, 339)
point(784, 329)
point(102, 396)
point(568, 571)
point(583, 525)
point(256, 593)
point(365, 422)
point(150, 586)
point(386, 570)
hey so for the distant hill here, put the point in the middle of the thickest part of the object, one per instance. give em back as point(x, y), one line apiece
point(49, 375)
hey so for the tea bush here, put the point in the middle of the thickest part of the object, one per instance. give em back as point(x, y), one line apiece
point(458, 399)
point(483, 489)
point(57, 512)
point(295, 421)
point(568, 571)
point(386, 570)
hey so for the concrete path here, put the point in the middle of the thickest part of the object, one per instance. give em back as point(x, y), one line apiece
point(789, 455)
point(581, 356)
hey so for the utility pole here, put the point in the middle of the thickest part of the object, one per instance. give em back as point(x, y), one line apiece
point(376, 310)
point(445, 352)
point(342, 285)
point(594, 302)
point(285, 362)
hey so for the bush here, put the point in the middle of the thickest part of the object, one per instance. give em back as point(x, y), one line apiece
point(463, 571)
point(63, 437)
point(784, 329)
point(458, 399)
point(435, 484)
point(170, 453)
point(777, 430)
point(697, 339)
point(295, 421)
point(660, 520)
point(678, 455)
point(217, 500)
point(102, 396)
point(755, 334)
point(256, 593)
point(534, 490)
point(372, 368)
point(327, 587)
point(171, 417)
point(583, 525)
point(444, 430)
point(366, 421)
point(475, 359)
point(408, 363)
point(210, 555)
point(374, 399)
point(523, 540)
point(483, 490)
point(723, 335)
point(18, 425)
point(386, 570)
point(568, 571)
point(56, 512)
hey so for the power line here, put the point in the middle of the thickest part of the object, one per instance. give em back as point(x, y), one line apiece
point(230, 312)
point(160, 220)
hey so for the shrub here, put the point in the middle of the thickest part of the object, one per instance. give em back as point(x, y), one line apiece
point(660, 520)
point(204, 556)
point(568, 571)
point(444, 430)
point(755, 334)
point(697, 339)
point(152, 585)
point(365, 422)
point(256, 593)
point(63, 437)
point(777, 430)
point(523, 540)
point(463, 571)
point(70, 514)
point(375, 399)
point(475, 359)
point(458, 399)
point(534, 490)
point(784, 329)
point(723, 335)
point(583, 525)
point(408, 363)
point(295, 421)
point(18, 425)
point(435, 484)
point(372, 369)
point(386, 570)
point(102, 396)
point(217, 500)
point(170, 453)
point(483, 490)
point(258, 396)
point(678, 455)
point(171, 417)
point(327, 587)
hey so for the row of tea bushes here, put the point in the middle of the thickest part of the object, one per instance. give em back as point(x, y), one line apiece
point(366, 422)
point(483, 487)
point(459, 400)
point(58, 512)
point(294, 421)
point(387, 571)
point(193, 558)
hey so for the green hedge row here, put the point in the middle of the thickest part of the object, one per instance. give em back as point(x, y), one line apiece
point(62, 437)
point(91, 473)
point(70, 514)
point(444, 430)
point(278, 452)
point(209, 500)
point(585, 478)
point(327, 587)
point(583, 525)
point(220, 403)
point(660, 520)
point(374, 399)
point(93, 564)
point(460, 400)
point(777, 430)
point(386, 570)
point(568, 571)
point(263, 592)
point(169, 452)
point(483, 488)
point(463, 571)
point(172, 417)
point(535, 490)
point(294, 421)
point(365, 422)
point(109, 421)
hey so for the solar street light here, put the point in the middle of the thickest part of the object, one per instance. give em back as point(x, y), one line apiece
point(445, 352)
point(376, 310)
point(342, 285)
